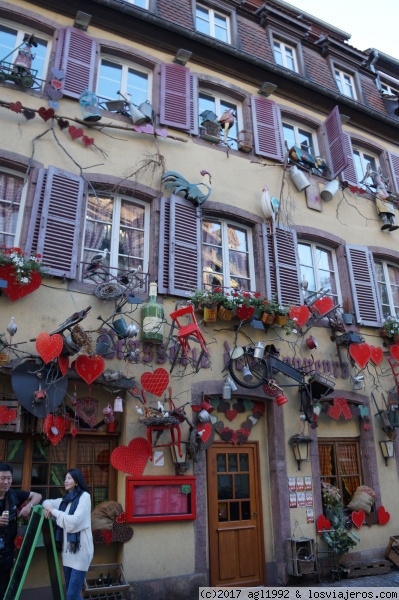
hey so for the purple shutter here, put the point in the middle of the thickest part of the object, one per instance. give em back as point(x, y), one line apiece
point(349, 173)
point(175, 96)
point(60, 222)
point(270, 263)
point(335, 143)
point(394, 163)
point(76, 55)
point(184, 247)
point(194, 104)
point(287, 266)
point(267, 128)
point(164, 236)
point(37, 207)
point(363, 282)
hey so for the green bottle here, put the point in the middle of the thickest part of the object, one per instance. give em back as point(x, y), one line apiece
point(152, 316)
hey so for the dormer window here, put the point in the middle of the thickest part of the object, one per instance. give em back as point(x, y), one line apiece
point(212, 23)
point(285, 55)
point(345, 83)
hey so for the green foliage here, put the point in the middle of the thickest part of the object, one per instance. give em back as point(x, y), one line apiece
point(338, 540)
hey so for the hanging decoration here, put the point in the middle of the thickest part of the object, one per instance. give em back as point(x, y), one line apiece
point(54, 428)
point(244, 313)
point(31, 376)
point(322, 523)
point(87, 410)
point(63, 364)
point(49, 346)
point(133, 458)
point(340, 407)
point(7, 415)
point(383, 516)
point(360, 353)
point(300, 315)
point(323, 305)
point(232, 408)
point(156, 382)
point(89, 368)
point(376, 355)
point(358, 518)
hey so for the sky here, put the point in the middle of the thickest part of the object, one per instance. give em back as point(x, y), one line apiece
point(371, 24)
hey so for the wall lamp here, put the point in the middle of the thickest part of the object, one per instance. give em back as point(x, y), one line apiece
point(182, 56)
point(388, 450)
point(82, 20)
point(300, 445)
point(267, 88)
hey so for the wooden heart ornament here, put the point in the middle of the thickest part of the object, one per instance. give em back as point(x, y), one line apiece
point(7, 415)
point(376, 355)
point(322, 523)
point(156, 382)
point(383, 516)
point(46, 113)
point(394, 349)
point(132, 458)
point(54, 428)
point(63, 364)
point(205, 429)
point(121, 532)
point(49, 346)
point(89, 367)
point(121, 518)
point(299, 314)
point(16, 290)
point(358, 518)
point(245, 312)
point(323, 305)
point(360, 353)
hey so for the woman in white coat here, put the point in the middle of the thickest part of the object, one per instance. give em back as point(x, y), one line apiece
point(73, 517)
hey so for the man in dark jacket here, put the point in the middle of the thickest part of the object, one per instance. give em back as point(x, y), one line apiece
point(10, 501)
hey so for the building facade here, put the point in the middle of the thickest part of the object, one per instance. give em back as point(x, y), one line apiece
point(299, 192)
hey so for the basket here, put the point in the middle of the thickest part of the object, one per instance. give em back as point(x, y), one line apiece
point(225, 314)
point(159, 421)
point(306, 566)
point(268, 319)
point(281, 320)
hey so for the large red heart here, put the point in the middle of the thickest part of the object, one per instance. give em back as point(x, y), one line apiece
point(7, 415)
point(49, 346)
point(360, 353)
point(323, 305)
point(206, 430)
point(245, 312)
point(89, 367)
point(46, 113)
point(358, 518)
point(322, 523)
point(394, 349)
point(132, 458)
point(16, 290)
point(299, 314)
point(156, 382)
point(231, 414)
point(383, 516)
point(58, 423)
point(63, 364)
point(376, 355)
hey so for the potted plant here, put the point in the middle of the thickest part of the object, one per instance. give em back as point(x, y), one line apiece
point(281, 313)
point(390, 329)
point(207, 300)
point(347, 315)
point(227, 307)
point(20, 264)
point(269, 312)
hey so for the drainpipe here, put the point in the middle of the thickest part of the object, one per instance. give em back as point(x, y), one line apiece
point(374, 54)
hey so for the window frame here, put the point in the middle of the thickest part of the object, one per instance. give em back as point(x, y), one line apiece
point(283, 44)
point(133, 2)
point(126, 64)
point(297, 125)
point(363, 154)
point(219, 97)
point(385, 266)
point(211, 13)
point(22, 204)
point(335, 442)
point(314, 245)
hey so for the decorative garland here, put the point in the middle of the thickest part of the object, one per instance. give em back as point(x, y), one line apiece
point(231, 408)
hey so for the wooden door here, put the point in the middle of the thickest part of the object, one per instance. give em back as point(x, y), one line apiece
point(235, 516)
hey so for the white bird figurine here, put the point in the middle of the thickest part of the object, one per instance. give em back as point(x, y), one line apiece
point(161, 407)
point(12, 327)
point(97, 259)
point(139, 410)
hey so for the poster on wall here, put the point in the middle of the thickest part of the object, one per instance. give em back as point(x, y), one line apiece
point(309, 499)
point(292, 484)
point(300, 484)
point(309, 515)
point(308, 484)
point(293, 503)
point(301, 499)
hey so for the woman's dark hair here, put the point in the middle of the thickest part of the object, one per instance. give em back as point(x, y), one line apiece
point(78, 478)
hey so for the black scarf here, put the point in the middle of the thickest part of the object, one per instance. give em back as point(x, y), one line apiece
point(73, 539)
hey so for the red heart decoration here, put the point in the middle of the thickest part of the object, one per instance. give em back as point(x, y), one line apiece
point(121, 533)
point(121, 518)
point(323, 305)
point(74, 132)
point(63, 364)
point(15, 106)
point(322, 523)
point(231, 414)
point(383, 516)
point(299, 314)
point(334, 411)
point(49, 346)
point(376, 355)
point(358, 518)
point(259, 408)
point(156, 382)
point(46, 113)
point(394, 349)
point(87, 141)
point(56, 84)
point(7, 415)
point(57, 422)
point(132, 458)
point(245, 312)
point(16, 290)
point(89, 367)
point(107, 535)
point(360, 353)
point(206, 429)
point(74, 431)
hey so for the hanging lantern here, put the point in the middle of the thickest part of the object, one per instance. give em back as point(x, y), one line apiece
point(89, 104)
point(118, 405)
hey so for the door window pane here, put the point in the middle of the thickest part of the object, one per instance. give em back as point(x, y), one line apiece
point(233, 464)
point(225, 487)
point(241, 486)
point(221, 463)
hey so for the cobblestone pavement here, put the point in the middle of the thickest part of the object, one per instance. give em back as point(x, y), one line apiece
point(390, 579)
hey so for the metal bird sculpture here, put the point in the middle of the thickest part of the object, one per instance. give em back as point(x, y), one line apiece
point(227, 121)
point(97, 259)
point(12, 327)
point(177, 184)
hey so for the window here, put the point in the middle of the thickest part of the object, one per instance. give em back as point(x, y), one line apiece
point(318, 267)
point(217, 104)
point(393, 91)
point(114, 77)
point(41, 467)
point(11, 38)
point(340, 466)
point(227, 255)
point(120, 224)
point(298, 135)
point(140, 3)
point(10, 202)
point(388, 287)
point(364, 160)
point(212, 23)
point(345, 83)
point(285, 55)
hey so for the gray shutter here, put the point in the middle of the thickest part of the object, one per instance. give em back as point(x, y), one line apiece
point(37, 207)
point(56, 231)
point(175, 96)
point(267, 128)
point(363, 282)
point(270, 263)
point(194, 104)
point(286, 266)
point(164, 236)
point(184, 247)
point(349, 173)
point(335, 143)
point(76, 55)
point(394, 163)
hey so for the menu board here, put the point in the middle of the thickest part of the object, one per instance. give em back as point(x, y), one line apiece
point(160, 499)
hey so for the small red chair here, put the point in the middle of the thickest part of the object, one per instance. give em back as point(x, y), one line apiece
point(191, 330)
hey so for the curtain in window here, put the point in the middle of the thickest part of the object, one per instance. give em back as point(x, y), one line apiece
point(10, 198)
point(326, 466)
point(98, 223)
point(348, 467)
point(131, 234)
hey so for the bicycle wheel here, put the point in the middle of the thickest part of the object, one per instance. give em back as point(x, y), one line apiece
point(307, 404)
point(248, 371)
point(195, 445)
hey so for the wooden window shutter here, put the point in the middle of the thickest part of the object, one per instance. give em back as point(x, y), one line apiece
point(394, 163)
point(164, 236)
point(270, 263)
point(363, 282)
point(194, 104)
point(37, 208)
point(56, 220)
point(267, 128)
point(335, 143)
point(184, 247)
point(287, 266)
point(76, 55)
point(349, 173)
point(175, 96)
